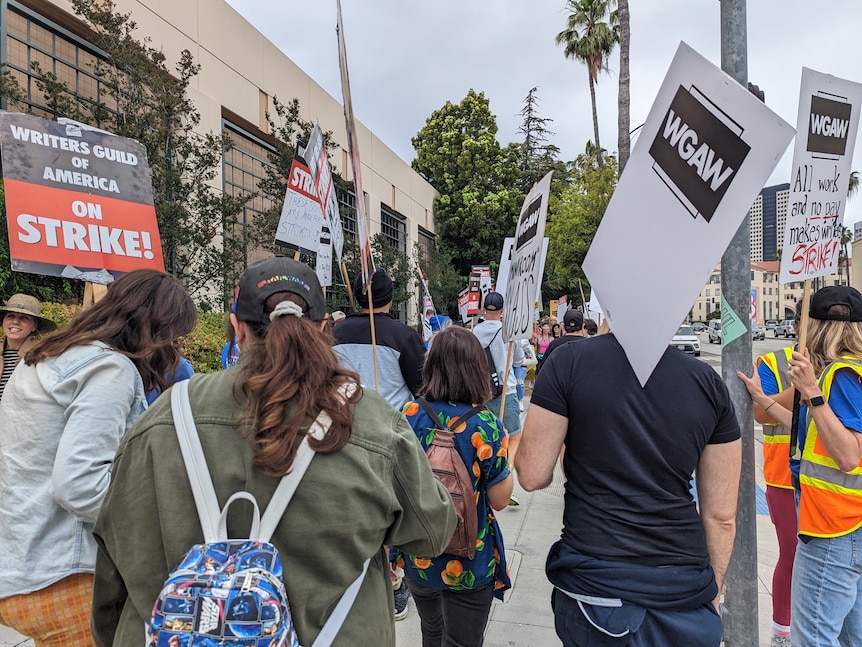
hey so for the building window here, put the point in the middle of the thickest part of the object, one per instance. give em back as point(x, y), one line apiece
point(347, 209)
point(708, 292)
point(30, 38)
point(427, 245)
point(243, 167)
point(394, 229)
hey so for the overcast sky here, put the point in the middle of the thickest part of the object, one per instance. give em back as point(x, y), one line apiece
point(408, 58)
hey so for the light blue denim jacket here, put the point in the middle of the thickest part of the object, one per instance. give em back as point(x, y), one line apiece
point(61, 422)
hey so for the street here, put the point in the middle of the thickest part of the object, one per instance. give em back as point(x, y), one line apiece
point(711, 353)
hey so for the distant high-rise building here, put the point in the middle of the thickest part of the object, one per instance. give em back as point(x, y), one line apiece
point(768, 217)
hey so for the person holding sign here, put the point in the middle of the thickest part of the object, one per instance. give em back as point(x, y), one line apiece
point(63, 415)
point(22, 324)
point(827, 581)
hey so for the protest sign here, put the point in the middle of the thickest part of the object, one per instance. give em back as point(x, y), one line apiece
point(505, 264)
point(78, 201)
point(362, 236)
point(316, 160)
point(463, 301)
point(525, 269)
point(323, 265)
point(827, 123)
point(704, 153)
point(301, 219)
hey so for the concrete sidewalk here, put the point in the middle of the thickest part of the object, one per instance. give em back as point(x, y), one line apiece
point(525, 618)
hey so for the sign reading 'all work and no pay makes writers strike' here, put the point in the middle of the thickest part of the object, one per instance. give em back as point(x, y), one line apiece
point(76, 197)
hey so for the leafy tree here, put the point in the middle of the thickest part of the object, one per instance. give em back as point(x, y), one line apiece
point(623, 110)
point(589, 39)
point(479, 202)
point(574, 218)
point(390, 258)
point(537, 155)
point(148, 102)
point(853, 184)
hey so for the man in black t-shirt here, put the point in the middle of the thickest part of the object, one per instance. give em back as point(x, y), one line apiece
point(573, 330)
point(631, 530)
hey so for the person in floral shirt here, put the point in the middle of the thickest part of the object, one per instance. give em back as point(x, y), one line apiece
point(453, 594)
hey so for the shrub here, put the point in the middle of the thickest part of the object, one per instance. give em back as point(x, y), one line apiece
point(202, 346)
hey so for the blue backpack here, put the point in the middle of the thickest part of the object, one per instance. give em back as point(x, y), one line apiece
point(230, 592)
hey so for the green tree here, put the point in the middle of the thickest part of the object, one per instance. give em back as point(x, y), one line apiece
point(537, 155)
point(853, 184)
point(587, 38)
point(444, 282)
point(624, 99)
point(573, 220)
point(458, 154)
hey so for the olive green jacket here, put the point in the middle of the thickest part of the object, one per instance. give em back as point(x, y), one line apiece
point(378, 490)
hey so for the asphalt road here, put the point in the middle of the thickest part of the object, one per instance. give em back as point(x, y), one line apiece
point(711, 353)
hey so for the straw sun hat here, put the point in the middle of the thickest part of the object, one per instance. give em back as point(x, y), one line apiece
point(27, 305)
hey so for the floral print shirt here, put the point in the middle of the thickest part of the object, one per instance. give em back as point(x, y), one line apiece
point(483, 445)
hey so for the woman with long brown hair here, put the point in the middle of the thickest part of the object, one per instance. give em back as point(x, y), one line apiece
point(369, 483)
point(62, 417)
point(453, 593)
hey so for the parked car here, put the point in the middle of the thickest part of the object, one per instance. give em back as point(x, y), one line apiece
point(698, 326)
point(686, 340)
point(714, 329)
point(757, 332)
point(784, 329)
point(770, 325)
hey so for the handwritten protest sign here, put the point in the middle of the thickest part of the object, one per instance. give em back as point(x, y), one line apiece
point(827, 124)
point(317, 160)
point(525, 268)
point(301, 219)
point(704, 153)
point(78, 201)
point(323, 265)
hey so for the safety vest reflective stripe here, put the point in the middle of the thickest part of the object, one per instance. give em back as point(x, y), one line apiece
point(830, 504)
point(776, 438)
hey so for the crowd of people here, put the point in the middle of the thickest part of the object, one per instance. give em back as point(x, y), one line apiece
point(98, 507)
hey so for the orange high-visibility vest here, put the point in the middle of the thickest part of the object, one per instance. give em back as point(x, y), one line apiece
point(776, 437)
point(830, 504)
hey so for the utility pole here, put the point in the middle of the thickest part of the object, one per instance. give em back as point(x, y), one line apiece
point(740, 606)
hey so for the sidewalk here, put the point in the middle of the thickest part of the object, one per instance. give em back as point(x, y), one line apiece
point(525, 618)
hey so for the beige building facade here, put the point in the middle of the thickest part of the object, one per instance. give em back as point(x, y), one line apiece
point(241, 72)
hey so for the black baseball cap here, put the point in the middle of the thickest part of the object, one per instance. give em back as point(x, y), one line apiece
point(573, 320)
point(835, 295)
point(493, 302)
point(277, 274)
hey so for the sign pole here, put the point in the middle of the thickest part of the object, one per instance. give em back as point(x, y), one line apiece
point(506, 378)
point(740, 606)
point(373, 339)
point(347, 283)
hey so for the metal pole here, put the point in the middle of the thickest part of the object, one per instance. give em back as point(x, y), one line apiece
point(740, 606)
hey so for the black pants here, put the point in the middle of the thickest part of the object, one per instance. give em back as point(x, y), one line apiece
point(452, 618)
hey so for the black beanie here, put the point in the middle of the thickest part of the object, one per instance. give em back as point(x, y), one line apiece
point(381, 290)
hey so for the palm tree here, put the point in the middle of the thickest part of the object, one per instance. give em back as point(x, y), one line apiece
point(846, 239)
point(588, 39)
point(853, 185)
point(623, 101)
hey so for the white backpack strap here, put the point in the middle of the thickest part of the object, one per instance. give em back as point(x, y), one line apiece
point(339, 613)
point(195, 462)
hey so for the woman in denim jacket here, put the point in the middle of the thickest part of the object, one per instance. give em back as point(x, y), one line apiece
point(64, 413)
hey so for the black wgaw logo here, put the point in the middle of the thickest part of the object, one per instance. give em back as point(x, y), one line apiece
point(528, 225)
point(697, 152)
point(828, 124)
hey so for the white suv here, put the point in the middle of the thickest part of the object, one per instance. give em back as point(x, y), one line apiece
point(714, 331)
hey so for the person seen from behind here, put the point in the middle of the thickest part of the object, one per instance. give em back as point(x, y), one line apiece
point(369, 483)
point(63, 415)
point(827, 578)
point(22, 324)
point(453, 594)
point(639, 563)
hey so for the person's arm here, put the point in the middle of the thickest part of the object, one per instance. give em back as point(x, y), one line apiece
point(411, 360)
point(541, 441)
point(717, 479)
point(843, 445)
point(777, 408)
point(500, 493)
point(97, 399)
